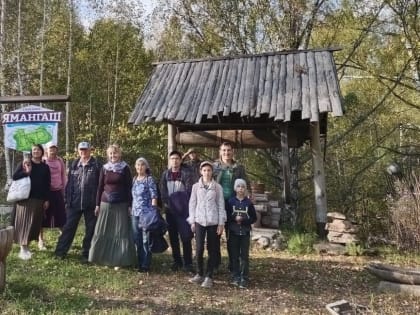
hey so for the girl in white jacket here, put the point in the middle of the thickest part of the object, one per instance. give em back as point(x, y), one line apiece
point(207, 217)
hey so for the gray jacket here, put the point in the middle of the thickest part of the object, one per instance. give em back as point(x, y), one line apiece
point(207, 205)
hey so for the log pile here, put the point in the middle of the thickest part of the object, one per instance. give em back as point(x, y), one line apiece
point(340, 229)
point(268, 211)
point(265, 230)
point(396, 279)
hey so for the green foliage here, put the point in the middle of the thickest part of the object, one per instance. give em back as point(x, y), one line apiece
point(301, 243)
point(353, 249)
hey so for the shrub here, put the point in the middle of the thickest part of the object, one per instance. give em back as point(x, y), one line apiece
point(301, 243)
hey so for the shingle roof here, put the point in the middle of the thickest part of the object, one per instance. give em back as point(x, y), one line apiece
point(268, 86)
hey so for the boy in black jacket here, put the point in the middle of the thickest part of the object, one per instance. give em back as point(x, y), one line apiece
point(240, 215)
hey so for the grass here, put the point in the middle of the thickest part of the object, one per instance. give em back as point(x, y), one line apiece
point(280, 283)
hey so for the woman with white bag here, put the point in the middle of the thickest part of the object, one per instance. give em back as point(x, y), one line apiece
point(30, 212)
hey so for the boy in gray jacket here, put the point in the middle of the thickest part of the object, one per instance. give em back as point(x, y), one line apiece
point(207, 217)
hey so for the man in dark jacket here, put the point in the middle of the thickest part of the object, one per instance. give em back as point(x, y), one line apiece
point(175, 188)
point(82, 185)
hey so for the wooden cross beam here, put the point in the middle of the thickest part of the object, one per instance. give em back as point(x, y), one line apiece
point(34, 99)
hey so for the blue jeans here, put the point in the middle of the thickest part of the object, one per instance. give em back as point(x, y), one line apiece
point(142, 241)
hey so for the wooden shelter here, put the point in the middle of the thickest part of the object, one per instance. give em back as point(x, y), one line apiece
point(278, 99)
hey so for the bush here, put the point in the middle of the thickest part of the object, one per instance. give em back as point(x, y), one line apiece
point(301, 243)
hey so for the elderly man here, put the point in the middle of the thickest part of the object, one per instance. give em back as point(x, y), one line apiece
point(82, 184)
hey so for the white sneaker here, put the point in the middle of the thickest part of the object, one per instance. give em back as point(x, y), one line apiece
point(196, 279)
point(25, 254)
point(207, 283)
point(41, 245)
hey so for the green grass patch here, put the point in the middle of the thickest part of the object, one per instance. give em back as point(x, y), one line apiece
point(281, 283)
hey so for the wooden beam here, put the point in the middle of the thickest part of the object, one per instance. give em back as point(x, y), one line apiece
point(171, 139)
point(238, 138)
point(319, 179)
point(34, 99)
point(285, 163)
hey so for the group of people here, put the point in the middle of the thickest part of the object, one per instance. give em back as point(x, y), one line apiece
point(200, 199)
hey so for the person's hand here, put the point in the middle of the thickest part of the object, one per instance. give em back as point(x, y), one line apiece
point(239, 219)
point(97, 210)
point(27, 167)
point(193, 227)
point(46, 205)
point(220, 229)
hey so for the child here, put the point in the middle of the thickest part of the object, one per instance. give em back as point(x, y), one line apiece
point(240, 215)
point(207, 217)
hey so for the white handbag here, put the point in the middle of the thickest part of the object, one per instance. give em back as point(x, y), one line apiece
point(19, 189)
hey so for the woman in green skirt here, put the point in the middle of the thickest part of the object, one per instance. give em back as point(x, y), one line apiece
point(112, 243)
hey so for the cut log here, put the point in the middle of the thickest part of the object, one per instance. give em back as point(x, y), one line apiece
point(385, 286)
point(336, 215)
point(261, 207)
point(394, 274)
point(275, 210)
point(260, 197)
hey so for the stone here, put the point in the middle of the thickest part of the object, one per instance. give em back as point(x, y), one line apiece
point(330, 249)
point(263, 242)
point(341, 226)
point(341, 238)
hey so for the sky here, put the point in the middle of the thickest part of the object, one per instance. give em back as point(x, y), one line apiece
point(88, 15)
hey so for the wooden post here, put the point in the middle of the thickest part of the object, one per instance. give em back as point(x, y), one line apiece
point(319, 179)
point(285, 162)
point(6, 242)
point(171, 139)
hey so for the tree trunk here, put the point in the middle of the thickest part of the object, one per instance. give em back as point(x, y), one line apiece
point(41, 70)
point(114, 103)
point(68, 89)
point(2, 92)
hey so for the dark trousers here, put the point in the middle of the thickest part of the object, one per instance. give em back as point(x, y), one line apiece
point(142, 241)
point(219, 253)
point(201, 232)
point(238, 246)
point(69, 231)
point(174, 236)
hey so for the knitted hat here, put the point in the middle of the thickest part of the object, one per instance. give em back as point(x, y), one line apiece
point(239, 182)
